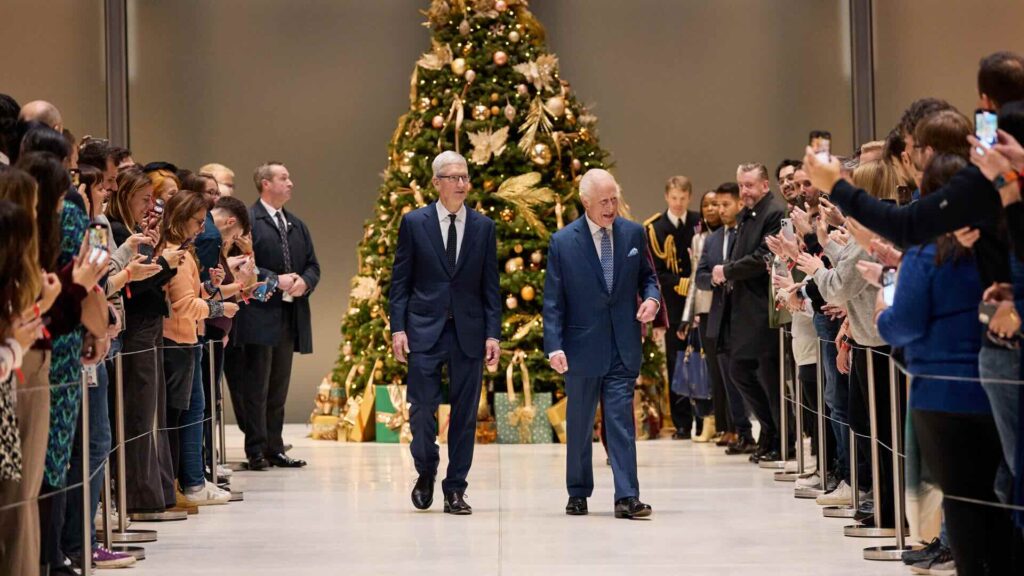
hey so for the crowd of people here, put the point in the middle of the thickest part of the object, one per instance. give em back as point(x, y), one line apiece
point(103, 259)
point(911, 249)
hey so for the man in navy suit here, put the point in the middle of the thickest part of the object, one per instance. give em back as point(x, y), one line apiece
point(445, 311)
point(597, 268)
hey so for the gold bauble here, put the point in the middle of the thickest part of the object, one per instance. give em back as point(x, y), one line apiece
point(507, 214)
point(536, 257)
point(437, 122)
point(464, 28)
point(361, 370)
point(488, 185)
point(481, 112)
point(434, 101)
point(584, 133)
point(370, 260)
point(423, 104)
point(522, 90)
point(393, 198)
point(346, 349)
point(570, 117)
point(540, 154)
point(406, 209)
point(576, 164)
point(378, 375)
point(511, 303)
point(500, 58)
point(527, 293)
point(513, 265)
point(381, 249)
point(467, 49)
point(556, 106)
point(384, 217)
point(518, 248)
point(495, 97)
point(459, 66)
point(353, 311)
point(510, 112)
point(405, 162)
point(501, 5)
point(470, 76)
point(513, 36)
point(495, 110)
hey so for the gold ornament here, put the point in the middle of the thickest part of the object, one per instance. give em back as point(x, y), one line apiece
point(464, 28)
point(488, 185)
point(459, 66)
point(423, 104)
point(467, 49)
point(540, 72)
point(393, 198)
point(381, 249)
point(576, 165)
point(522, 90)
point(500, 58)
point(405, 162)
point(513, 265)
point(486, 143)
point(495, 110)
point(437, 122)
point(361, 370)
point(353, 311)
point(536, 257)
point(507, 214)
point(540, 154)
point(494, 97)
point(500, 6)
point(584, 134)
point(511, 303)
point(406, 209)
point(527, 293)
point(346, 349)
point(510, 112)
point(384, 217)
point(555, 106)
point(481, 112)
point(570, 118)
point(513, 36)
point(379, 374)
point(470, 76)
point(518, 248)
point(434, 102)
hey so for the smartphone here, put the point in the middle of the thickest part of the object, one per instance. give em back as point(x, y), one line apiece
point(986, 123)
point(147, 251)
point(822, 149)
point(787, 229)
point(986, 311)
point(266, 291)
point(780, 268)
point(888, 285)
point(98, 236)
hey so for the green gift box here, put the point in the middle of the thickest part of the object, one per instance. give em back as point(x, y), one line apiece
point(392, 414)
point(522, 418)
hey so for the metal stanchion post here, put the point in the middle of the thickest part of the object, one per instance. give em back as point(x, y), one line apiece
point(104, 535)
point(857, 530)
point(809, 493)
point(894, 552)
point(780, 464)
point(123, 534)
point(851, 510)
point(86, 485)
point(216, 430)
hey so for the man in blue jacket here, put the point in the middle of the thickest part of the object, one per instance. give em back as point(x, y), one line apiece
point(596, 271)
point(445, 311)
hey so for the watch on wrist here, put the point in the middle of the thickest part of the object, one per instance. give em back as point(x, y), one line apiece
point(1004, 179)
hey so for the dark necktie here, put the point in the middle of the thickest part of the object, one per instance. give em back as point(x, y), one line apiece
point(606, 259)
point(282, 229)
point(452, 243)
point(730, 239)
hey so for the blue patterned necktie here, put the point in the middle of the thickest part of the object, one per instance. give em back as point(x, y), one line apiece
point(606, 258)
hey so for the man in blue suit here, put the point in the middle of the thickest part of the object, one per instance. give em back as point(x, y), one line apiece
point(445, 312)
point(596, 271)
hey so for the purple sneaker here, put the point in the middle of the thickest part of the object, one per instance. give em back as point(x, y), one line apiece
point(103, 558)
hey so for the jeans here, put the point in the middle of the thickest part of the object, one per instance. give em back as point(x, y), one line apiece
point(837, 392)
point(1001, 364)
point(190, 437)
point(99, 449)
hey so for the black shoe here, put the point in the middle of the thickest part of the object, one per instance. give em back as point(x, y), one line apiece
point(455, 503)
point(770, 456)
point(577, 506)
point(742, 446)
point(631, 508)
point(423, 492)
point(257, 464)
point(932, 550)
point(282, 461)
point(681, 435)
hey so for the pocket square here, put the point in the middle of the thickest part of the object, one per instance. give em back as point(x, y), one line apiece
point(632, 253)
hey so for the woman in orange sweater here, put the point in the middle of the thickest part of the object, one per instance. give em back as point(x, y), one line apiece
point(190, 305)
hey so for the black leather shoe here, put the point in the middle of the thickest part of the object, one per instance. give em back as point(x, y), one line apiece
point(681, 435)
point(770, 456)
point(742, 446)
point(631, 508)
point(577, 506)
point(423, 492)
point(282, 461)
point(455, 503)
point(258, 464)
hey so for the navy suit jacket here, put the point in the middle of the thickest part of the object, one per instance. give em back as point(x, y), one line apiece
point(424, 292)
point(580, 317)
point(709, 258)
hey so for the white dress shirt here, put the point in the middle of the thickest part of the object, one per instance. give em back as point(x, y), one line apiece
point(460, 226)
point(285, 296)
point(676, 221)
point(725, 242)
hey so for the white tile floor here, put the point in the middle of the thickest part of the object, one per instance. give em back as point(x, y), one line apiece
point(348, 513)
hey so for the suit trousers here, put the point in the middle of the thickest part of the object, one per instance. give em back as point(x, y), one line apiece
point(268, 373)
point(679, 405)
point(615, 392)
point(739, 413)
point(719, 398)
point(234, 377)
point(424, 395)
point(758, 381)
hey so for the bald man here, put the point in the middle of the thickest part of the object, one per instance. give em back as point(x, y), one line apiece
point(42, 111)
point(597, 269)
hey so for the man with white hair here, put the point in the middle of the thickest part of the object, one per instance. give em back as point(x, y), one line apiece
point(42, 111)
point(445, 311)
point(224, 176)
point(597, 268)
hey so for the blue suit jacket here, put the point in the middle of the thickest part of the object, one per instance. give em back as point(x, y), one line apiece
point(580, 317)
point(424, 291)
point(709, 258)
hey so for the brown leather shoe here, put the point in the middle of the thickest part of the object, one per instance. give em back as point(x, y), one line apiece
point(726, 439)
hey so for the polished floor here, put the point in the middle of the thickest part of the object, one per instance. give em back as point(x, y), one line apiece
point(349, 513)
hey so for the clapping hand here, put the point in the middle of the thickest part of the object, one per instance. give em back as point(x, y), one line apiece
point(871, 272)
point(885, 252)
point(809, 264)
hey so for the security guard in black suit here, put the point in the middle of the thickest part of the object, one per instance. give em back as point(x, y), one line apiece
point(670, 234)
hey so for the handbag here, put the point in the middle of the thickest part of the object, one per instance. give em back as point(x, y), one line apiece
point(690, 376)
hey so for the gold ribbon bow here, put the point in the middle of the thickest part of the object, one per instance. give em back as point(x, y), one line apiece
point(521, 417)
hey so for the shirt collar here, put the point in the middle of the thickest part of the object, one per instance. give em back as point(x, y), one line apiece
point(677, 221)
point(270, 210)
point(594, 228)
point(4, 159)
point(443, 213)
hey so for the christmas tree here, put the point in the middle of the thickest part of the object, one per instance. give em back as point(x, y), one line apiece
point(490, 90)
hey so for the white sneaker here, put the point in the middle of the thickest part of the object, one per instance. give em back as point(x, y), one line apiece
point(812, 482)
point(115, 520)
point(207, 494)
point(223, 471)
point(841, 496)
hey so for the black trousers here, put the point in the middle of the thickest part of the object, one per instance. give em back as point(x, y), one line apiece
point(679, 405)
point(719, 400)
point(268, 372)
point(860, 420)
point(234, 377)
point(963, 454)
point(758, 382)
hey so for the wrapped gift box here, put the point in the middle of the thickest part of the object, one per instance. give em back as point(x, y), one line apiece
point(360, 424)
point(556, 416)
point(392, 413)
point(444, 417)
point(521, 419)
point(325, 428)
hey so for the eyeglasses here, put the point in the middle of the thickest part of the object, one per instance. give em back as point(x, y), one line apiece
point(198, 221)
point(455, 179)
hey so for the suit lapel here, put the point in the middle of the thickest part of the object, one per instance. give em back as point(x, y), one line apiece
point(468, 236)
point(432, 227)
point(586, 244)
point(619, 248)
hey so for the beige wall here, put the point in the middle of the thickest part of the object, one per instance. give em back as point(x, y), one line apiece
point(691, 87)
